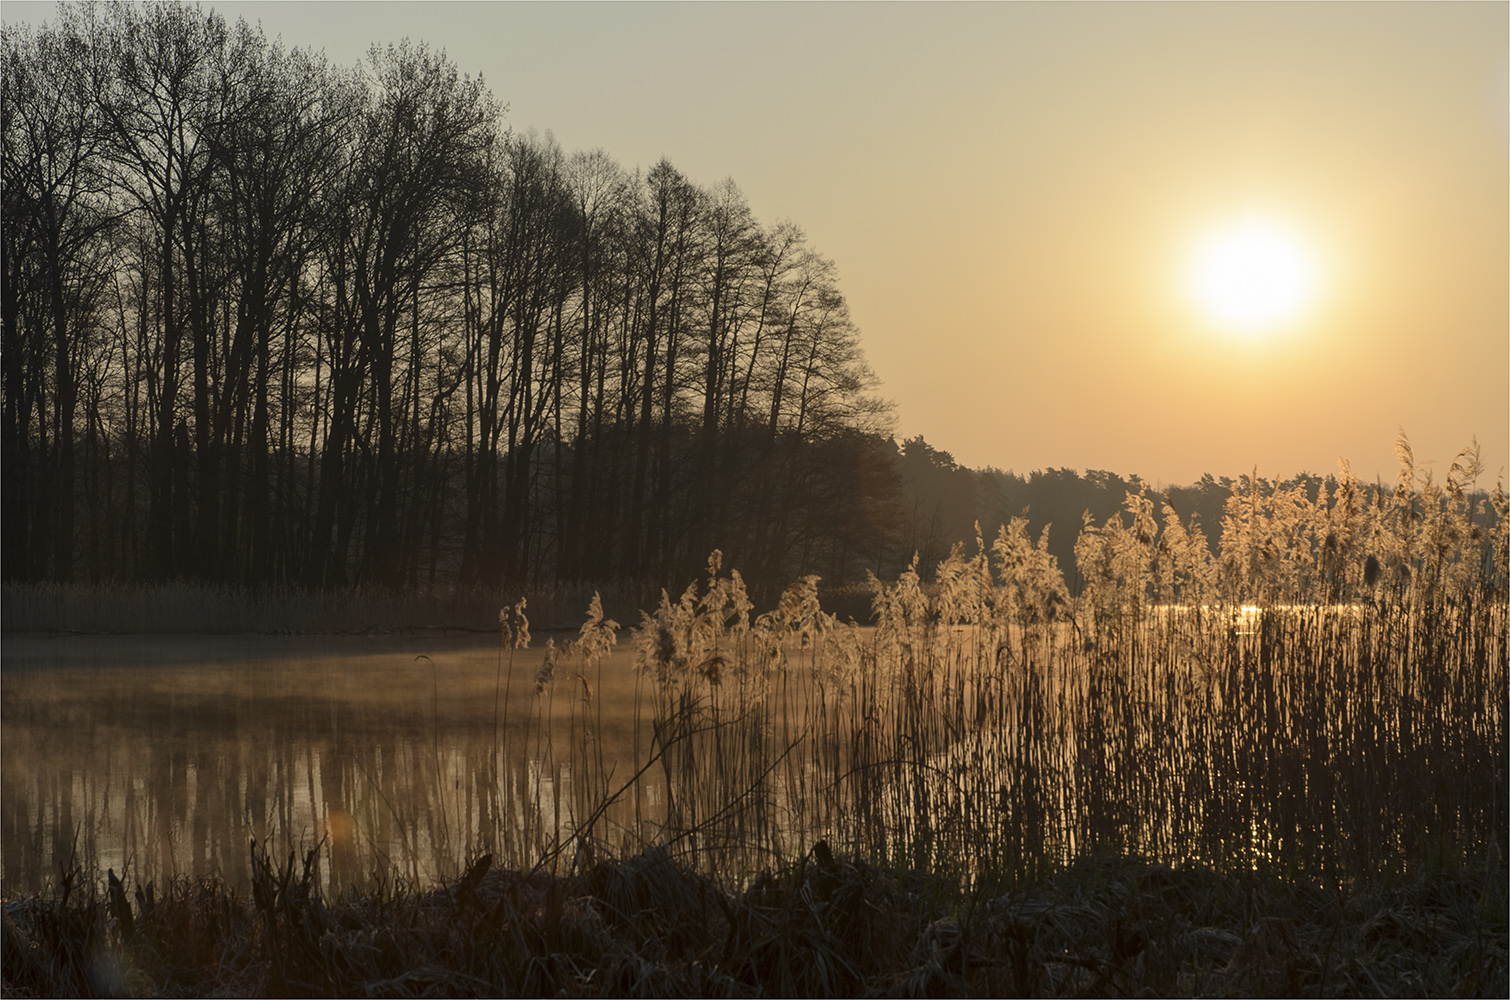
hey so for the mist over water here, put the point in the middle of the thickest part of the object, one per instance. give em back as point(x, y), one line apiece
point(169, 755)
point(1338, 739)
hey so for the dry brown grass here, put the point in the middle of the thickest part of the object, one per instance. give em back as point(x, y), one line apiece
point(1279, 768)
point(650, 926)
point(1275, 704)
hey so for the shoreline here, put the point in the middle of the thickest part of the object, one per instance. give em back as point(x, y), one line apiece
point(819, 926)
point(192, 609)
point(195, 609)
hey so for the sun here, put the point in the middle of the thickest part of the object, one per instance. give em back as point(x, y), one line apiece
point(1253, 276)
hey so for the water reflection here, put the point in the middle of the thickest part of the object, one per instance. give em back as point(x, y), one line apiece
point(1335, 738)
point(170, 755)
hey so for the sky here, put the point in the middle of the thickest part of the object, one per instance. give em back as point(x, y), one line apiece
point(1014, 195)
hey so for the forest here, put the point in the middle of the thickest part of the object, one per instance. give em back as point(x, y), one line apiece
point(273, 322)
point(269, 320)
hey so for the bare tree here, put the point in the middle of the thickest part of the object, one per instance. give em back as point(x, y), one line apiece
point(335, 326)
point(57, 215)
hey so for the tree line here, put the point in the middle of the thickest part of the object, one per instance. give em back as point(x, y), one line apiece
point(272, 321)
point(268, 321)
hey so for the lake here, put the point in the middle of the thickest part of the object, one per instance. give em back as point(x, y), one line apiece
point(1328, 738)
point(161, 755)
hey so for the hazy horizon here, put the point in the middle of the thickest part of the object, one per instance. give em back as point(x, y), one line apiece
point(1010, 194)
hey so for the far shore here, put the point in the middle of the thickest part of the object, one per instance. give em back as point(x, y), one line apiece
point(182, 608)
point(190, 608)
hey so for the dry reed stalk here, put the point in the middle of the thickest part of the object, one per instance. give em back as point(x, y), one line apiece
point(1314, 711)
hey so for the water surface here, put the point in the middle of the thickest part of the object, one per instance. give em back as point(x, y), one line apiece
point(161, 755)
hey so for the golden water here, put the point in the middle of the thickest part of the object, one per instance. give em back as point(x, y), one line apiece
point(170, 755)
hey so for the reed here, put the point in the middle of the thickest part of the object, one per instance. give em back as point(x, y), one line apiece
point(1275, 704)
point(1325, 694)
point(1276, 767)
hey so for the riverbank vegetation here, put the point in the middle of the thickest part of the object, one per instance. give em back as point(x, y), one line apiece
point(649, 926)
point(1277, 767)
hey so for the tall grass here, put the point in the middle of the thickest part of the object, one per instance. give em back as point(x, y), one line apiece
point(1325, 693)
point(1279, 767)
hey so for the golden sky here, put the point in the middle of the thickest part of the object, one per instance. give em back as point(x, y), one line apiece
point(1012, 194)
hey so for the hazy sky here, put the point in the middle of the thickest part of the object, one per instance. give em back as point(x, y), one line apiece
point(1012, 194)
